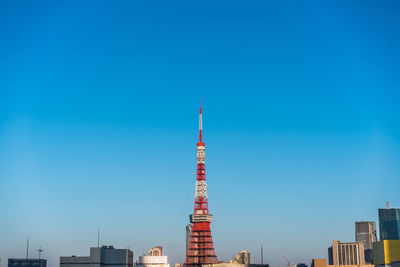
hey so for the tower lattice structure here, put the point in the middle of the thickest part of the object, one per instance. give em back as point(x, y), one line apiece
point(201, 248)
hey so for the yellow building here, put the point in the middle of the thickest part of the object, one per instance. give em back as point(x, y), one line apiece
point(322, 263)
point(386, 251)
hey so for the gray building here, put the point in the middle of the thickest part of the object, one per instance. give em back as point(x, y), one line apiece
point(366, 233)
point(101, 257)
point(27, 263)
point(389, 223)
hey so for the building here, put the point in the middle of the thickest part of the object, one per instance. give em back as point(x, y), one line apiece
point(346, 253)
point(301, 265)
point(365, 232)
point(27, 263)
point(243, 257)
point(386, 252)
point(188, 235)
point(156, 251)
point(322, 263)
point(318, 263)
point(153, 259)
point(231, 264)
point(389, 223)
point(101, 257)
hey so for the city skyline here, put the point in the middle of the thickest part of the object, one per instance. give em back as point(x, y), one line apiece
point(98, 124)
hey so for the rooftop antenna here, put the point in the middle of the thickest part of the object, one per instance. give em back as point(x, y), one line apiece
point(40, 250)
point(387, 205)
point(98, 237)
point(27, 248)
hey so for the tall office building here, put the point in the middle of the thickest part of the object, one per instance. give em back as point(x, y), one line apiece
point(389, 223)
point(366, 233)
point(346, 253)
point(101, 257)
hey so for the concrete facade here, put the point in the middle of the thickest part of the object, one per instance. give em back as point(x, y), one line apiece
point(156, 251)
point(366, 233)
point(346, 253)
point(318, 263)
point(243, 257)
point(154, 259)
point(101, 257)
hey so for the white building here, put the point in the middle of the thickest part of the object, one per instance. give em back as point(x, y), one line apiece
point(154, 259)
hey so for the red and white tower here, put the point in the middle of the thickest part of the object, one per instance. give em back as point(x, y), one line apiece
point(201, 248)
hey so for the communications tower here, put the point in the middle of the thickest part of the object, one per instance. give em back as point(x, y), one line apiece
point(201, 248)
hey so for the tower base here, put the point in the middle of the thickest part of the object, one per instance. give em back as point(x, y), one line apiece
point(201, 249)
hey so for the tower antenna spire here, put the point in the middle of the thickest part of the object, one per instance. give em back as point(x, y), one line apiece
point(200, 125)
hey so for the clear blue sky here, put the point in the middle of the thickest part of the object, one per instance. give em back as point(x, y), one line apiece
point(98, 123)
